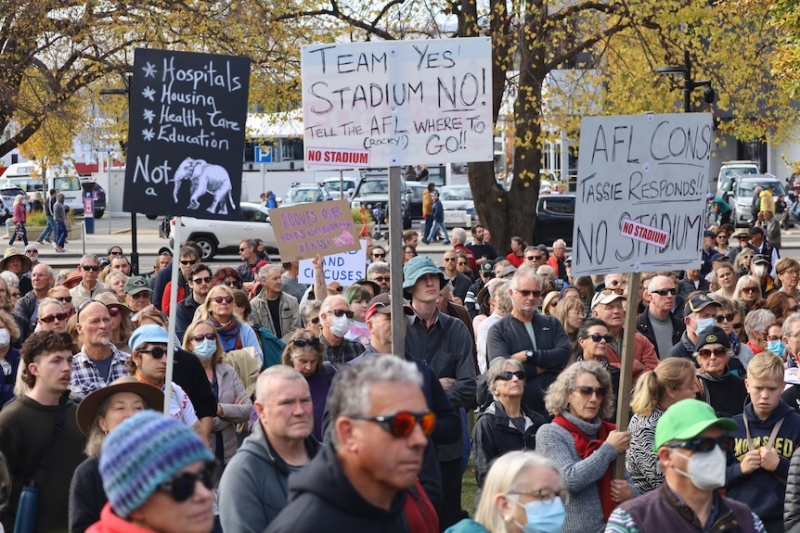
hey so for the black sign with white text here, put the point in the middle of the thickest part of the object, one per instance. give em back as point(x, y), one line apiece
point(186, 134)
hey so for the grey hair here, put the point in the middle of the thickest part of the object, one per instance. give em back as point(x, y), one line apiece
point(327, 303)
point(556, 399)
point(525, 272)
point(11, 279)
point(115, 274)
point(378, 267)
point(656, 281)
point(502, 298)
point(458, 235)
point(274, 372)
point(496, 367)
point(559, 241)
point(354, 383)
point(788, 322)
point(47, 267)
point(309, 307)
point(91, 257)
point(758, 320)
point(264, 271)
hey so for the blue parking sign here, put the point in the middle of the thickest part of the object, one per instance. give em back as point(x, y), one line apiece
point(263, 154)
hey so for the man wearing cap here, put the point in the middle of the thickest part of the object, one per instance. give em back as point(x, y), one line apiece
point(691, 445)
point(742, 236)
point(445, 344)
point(32, 253)
point(272, 308)
point(26, 425)
point(486, 271)
point(137, 293)
point(378, 272)
point(164, 257)
point(762, 247)
point(89, 268)
point(699, 314)
point(658, 323)
point(760, 269)
point(289, 283)
point(609, 306)
point(335, 315)
point(709, 239)
point(26, 310)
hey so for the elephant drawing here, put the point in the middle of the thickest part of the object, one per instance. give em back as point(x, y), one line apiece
point(205, 178)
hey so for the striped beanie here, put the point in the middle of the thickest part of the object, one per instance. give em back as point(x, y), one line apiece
point(143, 452)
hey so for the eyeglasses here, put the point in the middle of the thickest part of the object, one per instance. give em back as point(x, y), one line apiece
point(506, 376)
point(528, 294)
point(339, 289)
point(725, 318)
point(243, 249)
point(795, 308)
point(90, 268)
point(546, 496)
point(596, 337)
point(448, 259)
point(379, 256)
point(737, 325)
point(315, 320)
point(204, 280)
point(181, 486)
point(749, 289)
point(704, 444)
point(719, 351)
point(64, 299)
point(52, 318)
point(614, 290)
point(461, 264)
point(379, 279)
point(402, 424)
point(342, 312)
point(587, 391)
point(229, 283)
point(157, 352)
point(302, 342)
point(114, 310)
point(209, 336)
point(664, 292)
point(773, 338)
point(186, 262)
point(533, 257)
point(226, 299)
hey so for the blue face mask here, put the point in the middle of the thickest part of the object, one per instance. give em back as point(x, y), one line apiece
point(543, 516)
point(205, 349)
point(776, 347)
point(706, 323)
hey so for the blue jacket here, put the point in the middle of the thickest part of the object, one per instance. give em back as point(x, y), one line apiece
point(762, 491)
point(438, 211)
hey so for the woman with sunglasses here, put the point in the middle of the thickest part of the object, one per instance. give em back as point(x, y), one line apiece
point(722, 242)
point(673, 380)
point(726, 319)
point(593, 342)
point(51, 315)
point(227, 276)
point(158, 477)
point(584, 446)
point(719, 388)
point(570, 313)
point(121, 327)
point(233, 333)
point(506, 425)
point(233, 404)
point(61, 293)
point(98, 414)
point(9, 356)
point(148, 364)
point(305, 353)
point(550, 302)
point(748, 293)
point(741, 263)
point(782, 304)
point(309, 314)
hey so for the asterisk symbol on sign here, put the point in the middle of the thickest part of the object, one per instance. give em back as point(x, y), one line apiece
point(148, 134)
point(149, 115)
point(149, 70)
point(149, 93)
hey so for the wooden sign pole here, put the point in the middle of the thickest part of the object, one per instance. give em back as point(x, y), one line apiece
point(626, 368)
point(395, 217)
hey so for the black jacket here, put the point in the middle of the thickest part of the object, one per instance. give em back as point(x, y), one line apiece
point(24, 310)
point(686, 287)
point(321, 498)
point(86, 495)
point(791, 509)
point(645, 327)
point(184, 314)
point(189, 374)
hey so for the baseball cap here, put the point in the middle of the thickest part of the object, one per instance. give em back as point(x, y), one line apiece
point(760, 258)
point(487, 268)
point(719, 257)
point(709, 233)
point(148, 333)
point(165, 250)
point(755, 230)
point(686, 419)
point(606, 296)
point(714, 335)
point(510, 269)
point(136, 284)
point(382, 304)
point(697, 303)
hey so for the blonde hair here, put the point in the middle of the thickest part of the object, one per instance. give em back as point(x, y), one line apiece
point(188, 339)
point(651, 386)
point(765, 365)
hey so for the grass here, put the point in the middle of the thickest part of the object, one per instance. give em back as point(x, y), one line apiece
point(468, 488)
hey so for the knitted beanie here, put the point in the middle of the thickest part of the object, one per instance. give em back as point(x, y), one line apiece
point(143, 452)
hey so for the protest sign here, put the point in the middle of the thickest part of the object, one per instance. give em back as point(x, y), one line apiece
point(186, 134)
point(337, 157)
point(304, 230)
point(642, 183)
point(346, 268)
point(407, 102)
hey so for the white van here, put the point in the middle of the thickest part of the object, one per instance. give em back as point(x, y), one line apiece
point(27, 176)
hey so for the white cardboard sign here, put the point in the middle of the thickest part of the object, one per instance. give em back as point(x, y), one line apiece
point(346, 268)
point(407, 102)
point(642, 176)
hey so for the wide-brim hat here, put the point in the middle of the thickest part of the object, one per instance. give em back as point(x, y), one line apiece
point(376, 289)
point(12, 253)
point(73, 280)
point(418, 267)
point(88, 408)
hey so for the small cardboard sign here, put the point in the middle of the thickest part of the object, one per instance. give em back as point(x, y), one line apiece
point(304, 231)
point(642, 233)
point(337, 157)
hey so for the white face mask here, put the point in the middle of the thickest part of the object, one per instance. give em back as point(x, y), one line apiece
point(761, 270)
point(340, 325)
point(5, 338)
point(706, 469)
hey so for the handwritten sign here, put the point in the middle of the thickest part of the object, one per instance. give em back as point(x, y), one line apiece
point(337, 157)
point(407, 102)
point(642, 183)
point(304, 230)
point(346, 268)
point(186, 134)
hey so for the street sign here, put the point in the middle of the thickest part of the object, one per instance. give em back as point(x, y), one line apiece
point(186, 134)
point(263, 154)
point(641, 189)
point(407, 102)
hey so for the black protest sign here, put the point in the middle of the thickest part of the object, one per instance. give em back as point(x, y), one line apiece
point(186, 134)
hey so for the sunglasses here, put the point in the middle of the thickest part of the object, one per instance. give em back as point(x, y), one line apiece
point(616, 290)
point(339, 289)
point(209, 336)
point(204, 280)
point(114, 310)
point(379, 279)
point(229, 283)
point(704, 444)
point(402, 424)
point(749, 289)
point(379, 256)
point(52, 318)
point(315, 320)
point(533, 257)
point(181, 486)
point(302, 342)
point(449, 259)
point(64, 299)
point(186, 262)
point(719, 351)
point(114, 253)
point(596, 337)
point(157, 353)
point(226, 299)
point(725, 318)
point(243, 249)
point(91, 268)
point(507, 375)
point(528, 294)
point(737, 325)
point(341, 312)
point(664, 292)
point(587, 391)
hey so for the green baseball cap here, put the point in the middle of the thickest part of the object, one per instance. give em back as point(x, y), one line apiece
point(686, 419)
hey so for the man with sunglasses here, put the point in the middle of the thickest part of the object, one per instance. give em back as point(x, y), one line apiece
point(89, 269)
point(378, 272)
point(377, 254)
point(248, 252)
point(273, 309)
point(335, 315)
point(690, 443)
point(533, 257)
point(137, 293)
point(658, 323)
point(200, 281)
point(26, 310)
point(380, 424)
point(699, 314)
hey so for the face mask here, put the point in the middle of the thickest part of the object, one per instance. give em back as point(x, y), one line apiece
point(761, 270)
point(5, 338)
point(776, 347)
point(205, 349)
point(543, 517)
point(706, 323)
point(706, 469)
point(340, 325)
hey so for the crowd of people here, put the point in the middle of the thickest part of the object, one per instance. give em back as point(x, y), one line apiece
point(287, 413)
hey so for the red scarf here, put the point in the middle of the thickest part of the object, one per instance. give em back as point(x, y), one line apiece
point(585, 448)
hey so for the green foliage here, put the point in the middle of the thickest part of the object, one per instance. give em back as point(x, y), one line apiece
point(358, 220)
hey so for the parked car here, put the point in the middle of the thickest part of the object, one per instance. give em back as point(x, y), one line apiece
point(332, 185)
point(304, 194)
point(555, 219)
point(459, 208)
point(740, 197)
point(731, 168)
point(223, 236)
point(9, 193)
point(372, 192)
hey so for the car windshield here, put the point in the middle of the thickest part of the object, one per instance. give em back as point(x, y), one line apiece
point(746, 189)
point(374, 187)
point(742, 171)
point(333, 186)
point(300, 196)
point(68, 183)
point(459, 194)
